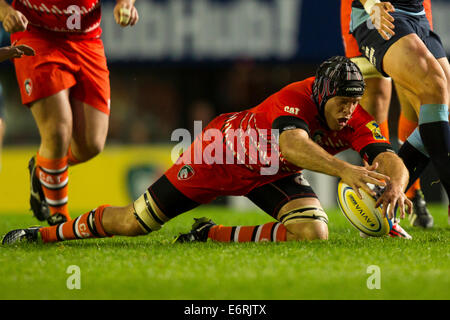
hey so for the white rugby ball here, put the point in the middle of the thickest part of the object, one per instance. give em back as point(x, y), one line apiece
point(362, 213)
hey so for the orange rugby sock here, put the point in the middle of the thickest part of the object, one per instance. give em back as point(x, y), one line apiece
point(411, 192)
point(384, 128)
point(88, 225)
point(405, 128)
point(273, 231)
point(54, 177)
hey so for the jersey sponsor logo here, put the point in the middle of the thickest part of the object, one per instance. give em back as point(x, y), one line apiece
point(376, 132)
point(185, 173)
point(291, 110)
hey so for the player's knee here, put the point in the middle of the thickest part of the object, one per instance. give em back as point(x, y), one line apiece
point(57, 137)
point(90, 149)
point(128, 225)
point(306, 223)
point(121, 221)
point(147, 215)
point(311, 230)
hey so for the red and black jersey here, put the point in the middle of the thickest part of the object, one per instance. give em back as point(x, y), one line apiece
point(75, 19)
point(293, 107)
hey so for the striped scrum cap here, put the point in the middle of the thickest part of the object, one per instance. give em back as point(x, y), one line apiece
point(337, 76)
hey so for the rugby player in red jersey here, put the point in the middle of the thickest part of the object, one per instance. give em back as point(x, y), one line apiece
point(377, 99)
point(241, 156)
point(65, 85)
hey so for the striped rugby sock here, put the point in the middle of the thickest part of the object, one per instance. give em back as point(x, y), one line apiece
point(54, 177)
point(273, 232)
point(88, 225)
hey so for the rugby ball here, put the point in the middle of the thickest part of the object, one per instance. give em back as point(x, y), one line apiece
point(362, 213)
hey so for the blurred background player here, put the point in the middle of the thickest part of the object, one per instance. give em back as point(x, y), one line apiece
point(377, 100)
point(400, 43)
point(66, 86)
point(2, 123)
point(10, 52)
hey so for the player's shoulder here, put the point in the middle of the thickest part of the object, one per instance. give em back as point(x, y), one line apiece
point(299, 92)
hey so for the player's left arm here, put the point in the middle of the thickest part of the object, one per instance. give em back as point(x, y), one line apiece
point(391, 165)
point(125, 13)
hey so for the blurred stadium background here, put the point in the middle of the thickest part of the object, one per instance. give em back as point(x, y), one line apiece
point(188, 60)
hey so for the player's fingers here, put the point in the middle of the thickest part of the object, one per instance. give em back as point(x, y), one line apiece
point(392, 207)
point(116, 16)
point(384, 212)
point(401, 207)
point(7, 26)
point(372, 167)
point(23, 23)
point(16, 53)
point(387, 23)
point(389, 32)
point(410, 205)
point(389, 7)
point(368, 179)
point(27, 50)
point(378, 176)
point(134, 16)
point(356, 189)
point(366, 188)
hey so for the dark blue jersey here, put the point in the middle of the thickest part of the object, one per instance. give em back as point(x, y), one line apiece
point(406, 5)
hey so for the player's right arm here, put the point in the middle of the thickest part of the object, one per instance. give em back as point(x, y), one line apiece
point(298, 149)
point(12, 20)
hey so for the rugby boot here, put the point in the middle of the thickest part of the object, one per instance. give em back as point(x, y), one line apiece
point(15, 236)
point(420, 217)
point(398, 232)
point(37, 199)
point(56, 218)
point(198, 233)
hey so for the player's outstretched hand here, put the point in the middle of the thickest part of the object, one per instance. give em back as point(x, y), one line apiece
point(14, 21)
point(382, 20)
point(125, 13)
point(357, 177)
point(13, 52)
point(392, 197)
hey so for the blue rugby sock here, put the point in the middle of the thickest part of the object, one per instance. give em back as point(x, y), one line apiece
point(435, 133)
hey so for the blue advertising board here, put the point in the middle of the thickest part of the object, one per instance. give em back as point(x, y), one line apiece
point(179, 31)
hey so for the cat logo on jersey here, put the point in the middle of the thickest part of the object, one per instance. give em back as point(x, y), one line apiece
point(185, 173)
point(375, 128)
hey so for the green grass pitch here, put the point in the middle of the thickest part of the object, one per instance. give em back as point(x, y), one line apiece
point(151, 267)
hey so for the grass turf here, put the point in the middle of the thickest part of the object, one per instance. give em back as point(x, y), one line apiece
point(151, 267)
